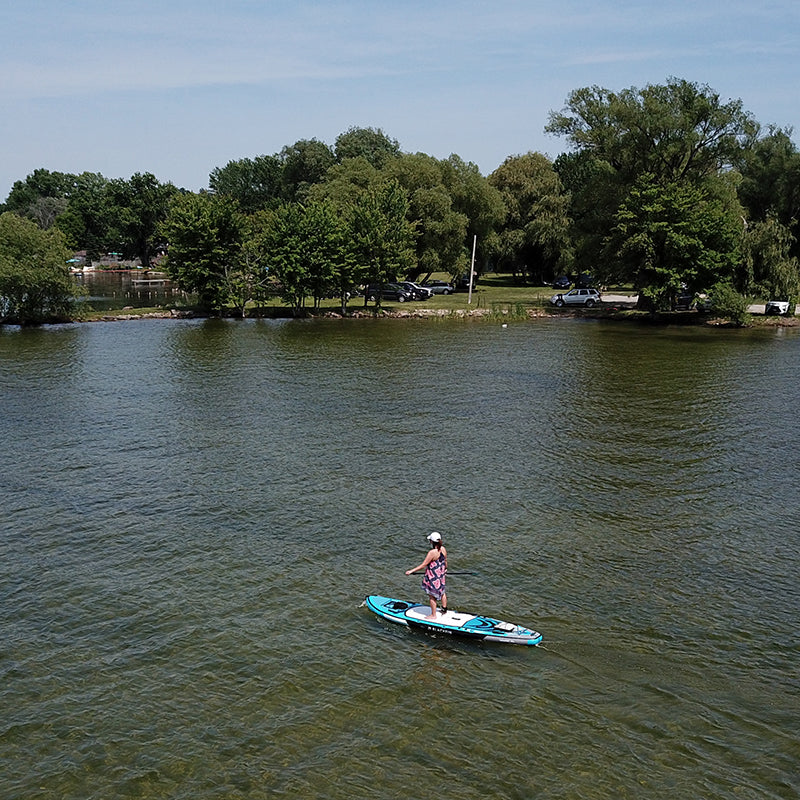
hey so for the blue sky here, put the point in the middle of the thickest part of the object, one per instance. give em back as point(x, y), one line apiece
point(179, 87)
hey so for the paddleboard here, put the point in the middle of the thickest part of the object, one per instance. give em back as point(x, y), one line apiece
point(453, 623)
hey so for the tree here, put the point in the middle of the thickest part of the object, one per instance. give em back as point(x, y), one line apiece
point(41, 185)
point(304, 164)
point(676, 131)
point(87, 220)
point(35, 282)
point(254, 183)
point(595, 192)
point(533, 239)
point(344, 183)
point(368, 143)
point(441, 229)
point(381, 235)
point(246, 277)
point(482, 204)
point(768, 268)
point(650, 146)
point(770, 185)
point(139, 206)
point(665, 238)
point(205, 236)
point(307, 255)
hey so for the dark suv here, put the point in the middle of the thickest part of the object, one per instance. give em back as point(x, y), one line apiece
point(416, 291)
point(388, 291)
point(462, 284)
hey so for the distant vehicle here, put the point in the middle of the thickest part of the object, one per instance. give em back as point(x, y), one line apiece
point(584, 281)
point(388, 291)
point(777, 307)
point(439, 287)
point(462, 283)
point(577, 297)
point(562, 282)
point(417, 292)
point(685, 301)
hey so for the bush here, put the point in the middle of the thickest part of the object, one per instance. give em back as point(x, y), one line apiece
point(726, 302)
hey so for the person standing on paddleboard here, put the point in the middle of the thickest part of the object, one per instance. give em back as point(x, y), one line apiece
point(435, 566)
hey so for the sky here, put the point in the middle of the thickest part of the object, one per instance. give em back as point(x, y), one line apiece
point(179, 87)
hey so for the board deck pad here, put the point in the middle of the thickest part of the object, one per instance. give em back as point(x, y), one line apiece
point(454, 623)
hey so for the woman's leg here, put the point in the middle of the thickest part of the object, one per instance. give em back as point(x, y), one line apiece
point(432, 601)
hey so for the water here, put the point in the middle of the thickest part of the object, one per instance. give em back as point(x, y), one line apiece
point(194, 510)
point(108, 290)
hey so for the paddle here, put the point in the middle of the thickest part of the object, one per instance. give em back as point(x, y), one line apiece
point(452, 573)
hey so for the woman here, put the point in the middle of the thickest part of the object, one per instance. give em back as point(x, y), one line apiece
point(435, 566)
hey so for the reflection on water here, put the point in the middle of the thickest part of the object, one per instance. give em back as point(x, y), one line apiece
point(194, 510)
point(114, 289)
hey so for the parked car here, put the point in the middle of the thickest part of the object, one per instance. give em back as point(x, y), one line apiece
point(685, 301)
point(439, 287)
point(563, 282)
point(577, 297)
point(584, 281)
point(388, 291)
point(777, 307)
point(462, 283)
point(417, 292)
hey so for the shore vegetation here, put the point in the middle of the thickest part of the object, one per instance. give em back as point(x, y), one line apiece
point(668, 190)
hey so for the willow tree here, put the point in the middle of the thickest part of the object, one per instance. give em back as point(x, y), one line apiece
point(659, 140)
point(533, 239)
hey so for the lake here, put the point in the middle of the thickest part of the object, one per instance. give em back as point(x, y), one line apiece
point(194, 510)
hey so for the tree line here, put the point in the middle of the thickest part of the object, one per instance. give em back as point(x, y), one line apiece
point(666, 188)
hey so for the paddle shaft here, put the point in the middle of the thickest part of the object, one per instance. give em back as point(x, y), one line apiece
point(454, 573)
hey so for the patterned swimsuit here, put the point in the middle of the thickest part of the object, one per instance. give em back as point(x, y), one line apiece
point(433, 582)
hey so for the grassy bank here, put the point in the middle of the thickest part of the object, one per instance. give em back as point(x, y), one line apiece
point(495, 297)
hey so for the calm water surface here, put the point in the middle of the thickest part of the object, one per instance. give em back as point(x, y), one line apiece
point(193, 511)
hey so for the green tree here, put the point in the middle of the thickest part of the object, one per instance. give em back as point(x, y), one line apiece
point(87, 220)
point(441, 243)
point(665, 238)
point(371, 144)
point(533, 240)
point(344, 183)
point(41, 188)
point(473, 195)
point(770, 185)
point(304, 163)
point(675, 131)
point(595, 191)
point(205, 235)
point(726, 302)
point(35, 282)
point(285, 247)
point(138, 206)
point(381, 235)
point(768, 268)
point(306, 251)
point(628, 144)
point(254, 183)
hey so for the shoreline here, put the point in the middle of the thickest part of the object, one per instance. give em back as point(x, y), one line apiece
point(617, 313)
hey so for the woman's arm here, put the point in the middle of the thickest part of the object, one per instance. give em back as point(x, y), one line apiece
point(431, 555)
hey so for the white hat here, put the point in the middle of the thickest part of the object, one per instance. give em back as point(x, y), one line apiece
point(435, 537)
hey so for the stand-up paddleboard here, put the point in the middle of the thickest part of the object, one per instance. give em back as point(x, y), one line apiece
point(454, 623)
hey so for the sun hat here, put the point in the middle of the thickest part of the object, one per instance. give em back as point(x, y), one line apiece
point(435, 537)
